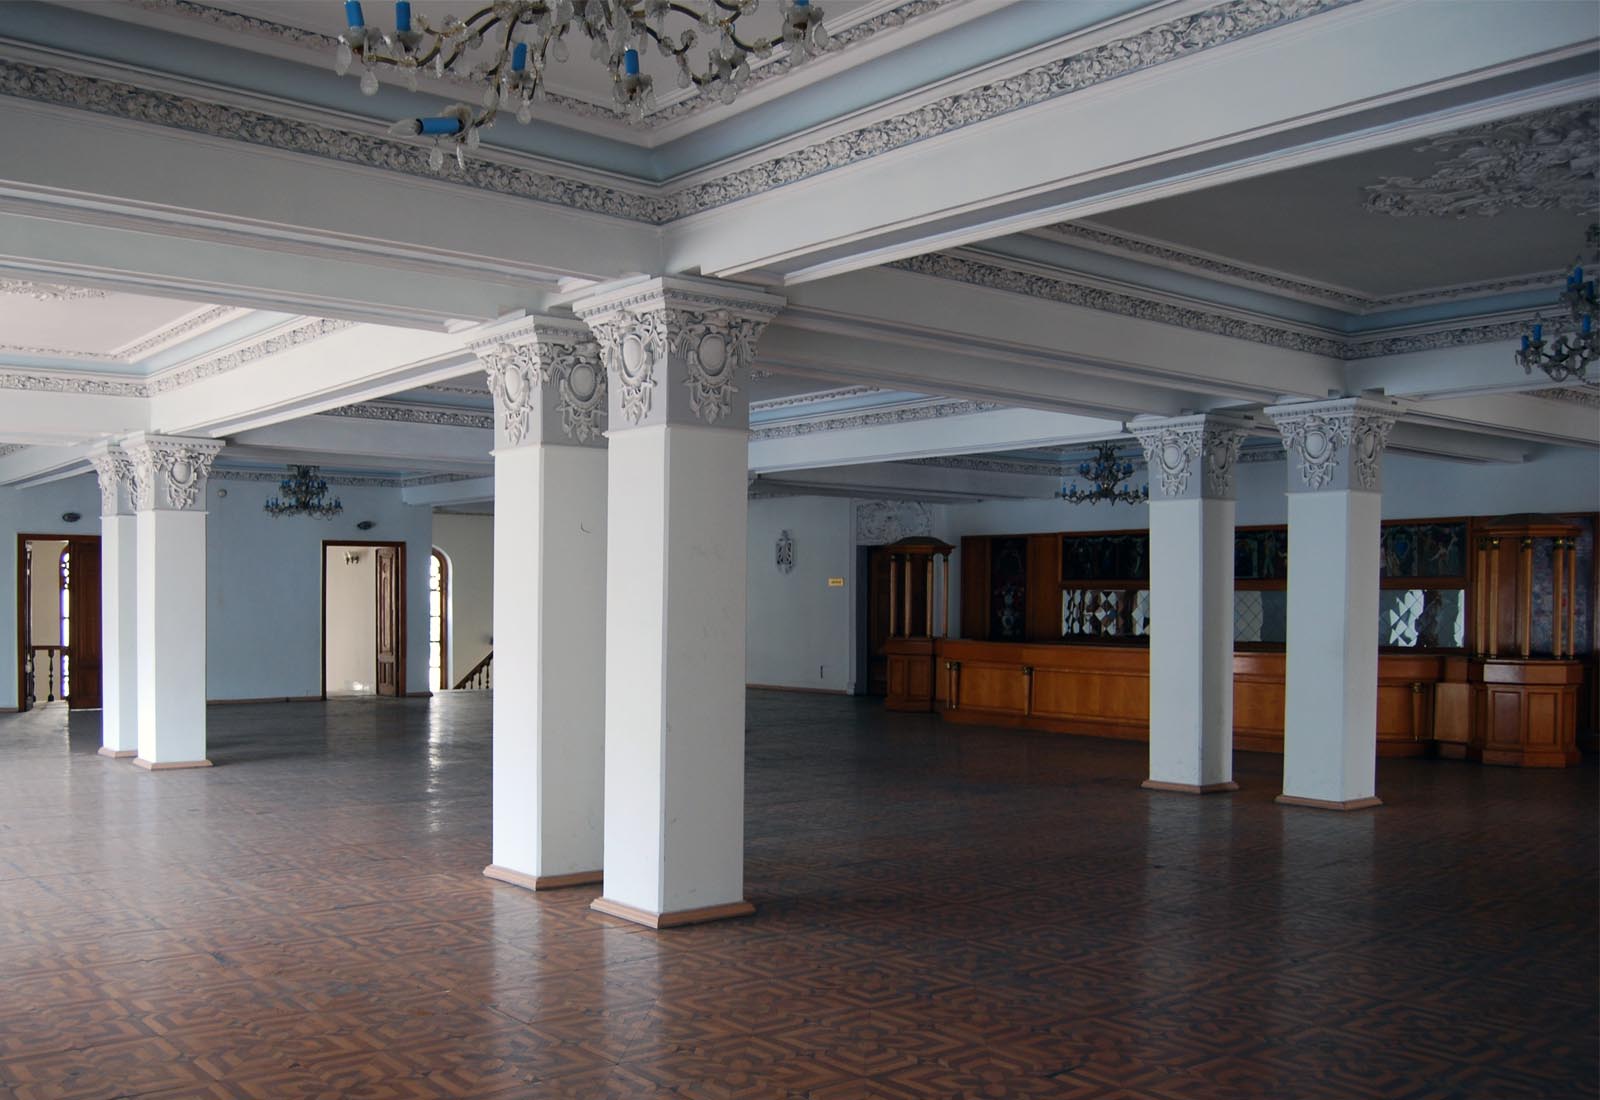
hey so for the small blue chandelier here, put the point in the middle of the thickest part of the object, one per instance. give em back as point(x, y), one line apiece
point(307, 494)
point(1569, 354)
point(1106, 472)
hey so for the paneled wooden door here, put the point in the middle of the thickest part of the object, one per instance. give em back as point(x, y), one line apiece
point(83, 628)
point(389, 632)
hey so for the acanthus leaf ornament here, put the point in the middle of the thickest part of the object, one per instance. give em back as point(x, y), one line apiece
point(169, 472)
point(1315, 440)
point(1337, 444)
point(632, 345)
point(514, 375)
point(1171, 451)
point(1221, 453)
point(1368, 437)
point(715, 345)
point(114, 471)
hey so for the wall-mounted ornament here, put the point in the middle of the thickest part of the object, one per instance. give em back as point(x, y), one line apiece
point(785, 552)
point(71, 517)
point(365, 525)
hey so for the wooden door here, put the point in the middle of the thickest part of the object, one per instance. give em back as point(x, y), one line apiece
point(388, 620)
point(83, 630)
point(878, 620)
point(24, 624)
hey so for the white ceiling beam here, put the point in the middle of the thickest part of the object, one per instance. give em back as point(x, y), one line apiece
point(56, 417)
point(395, 445)
point(475, 490)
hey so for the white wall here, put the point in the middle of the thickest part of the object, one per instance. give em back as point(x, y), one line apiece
point(350, 646)
point(797, 628)
point(45, 597)
point(468, 545)
point(35, 511)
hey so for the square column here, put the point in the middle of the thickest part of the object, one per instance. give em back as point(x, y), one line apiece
point(549, 390)
point(1330, 739)
point(1191, 600)
point(169, 490)
point(119, 589)
point(675, 595)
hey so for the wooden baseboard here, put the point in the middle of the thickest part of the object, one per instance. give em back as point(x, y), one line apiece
point(675, 919)
point(1189, 788)
point(542, 882)
point(170, 765)
point(264, 699)
point(802, 690)
point(1323, 804)
point(117, 754)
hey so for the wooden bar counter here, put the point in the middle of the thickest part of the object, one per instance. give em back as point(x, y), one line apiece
point(1104, 690)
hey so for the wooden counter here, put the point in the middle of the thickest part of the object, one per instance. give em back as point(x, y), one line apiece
point(1104, 690)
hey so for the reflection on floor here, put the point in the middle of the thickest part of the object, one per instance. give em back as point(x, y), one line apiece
point(943, 913)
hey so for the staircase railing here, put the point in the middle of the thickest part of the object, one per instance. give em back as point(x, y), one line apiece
point(53, 666)
point(481, 678)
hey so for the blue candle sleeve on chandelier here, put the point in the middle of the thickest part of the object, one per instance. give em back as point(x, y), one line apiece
point(519, 57)
point(1588, 323)
point(630, 62)
point(441, 126)
point(402, 16)
point(352, 14)
point(1524, 342)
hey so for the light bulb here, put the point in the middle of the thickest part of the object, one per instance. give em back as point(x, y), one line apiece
point(558, 49)
point(369, 83)
point(436, 158)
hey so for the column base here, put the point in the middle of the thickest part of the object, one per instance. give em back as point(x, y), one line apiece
point(541, 882)
point(117, 754)
point(1189, 788)
point(168, 765)
point(1324, 804)
point(672, 920)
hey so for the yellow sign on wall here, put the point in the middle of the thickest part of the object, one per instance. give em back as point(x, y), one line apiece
point(835, 582)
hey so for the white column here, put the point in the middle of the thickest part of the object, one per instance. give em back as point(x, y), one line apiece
point(119, 584)
point(549, 604)
point(1330, 739)
point(169, 498)
point(675, 595)
point(1191, 460)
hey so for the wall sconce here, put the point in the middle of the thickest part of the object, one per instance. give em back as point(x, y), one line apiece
point(352, 557)
point(71, 517)
point(365, 525)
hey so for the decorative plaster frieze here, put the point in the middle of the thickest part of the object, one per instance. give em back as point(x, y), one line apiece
point(985, 465)
point(692, 337)
point(413, 414)
point(211, 365)
point(1336, 444)
point(1194, 456)
point(1588, 398)
point(462, 389)
point(879, 522)
point(346, 480)
point(38, 351)
point(47, 292)
point(1093, 236)
point(1547, 160)
point(172, 333)
point(1153, 46)
point(93, 385)
point(431, 479)
point(772, 404)
point(169, 472)
point(937, 410)
point(10, 448)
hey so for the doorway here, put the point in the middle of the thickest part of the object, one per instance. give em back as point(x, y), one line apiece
point(363, 618)
point(872, 619)
point(58, 621)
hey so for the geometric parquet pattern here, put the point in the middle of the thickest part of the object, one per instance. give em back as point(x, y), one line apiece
point(944, 912)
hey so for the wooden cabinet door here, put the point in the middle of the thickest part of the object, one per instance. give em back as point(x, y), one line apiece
point(83, 632)
point(388, 620)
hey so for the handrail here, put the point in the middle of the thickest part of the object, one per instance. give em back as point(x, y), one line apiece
point(31, 664)
point(481, 678)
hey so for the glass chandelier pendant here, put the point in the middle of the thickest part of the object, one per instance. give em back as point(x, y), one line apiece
point(306, 494)
point(1106, 472)
point(511, 43)
point(1568, 354)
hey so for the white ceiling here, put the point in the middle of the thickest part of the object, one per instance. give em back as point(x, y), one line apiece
point(51, 321)
point(1313, 223)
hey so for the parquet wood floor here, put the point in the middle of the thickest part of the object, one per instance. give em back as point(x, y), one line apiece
point(944, 913)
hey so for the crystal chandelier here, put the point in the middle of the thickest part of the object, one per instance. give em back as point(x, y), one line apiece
point(307, 495)
point(517, 40)
point(1106, 473)
point(1571, 352)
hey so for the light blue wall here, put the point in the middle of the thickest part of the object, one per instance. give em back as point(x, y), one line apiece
point(797, 629)
point(264, 580)
point(35, 511)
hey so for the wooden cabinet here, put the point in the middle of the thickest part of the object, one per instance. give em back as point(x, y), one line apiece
point(1525, 713)
point(910, 673)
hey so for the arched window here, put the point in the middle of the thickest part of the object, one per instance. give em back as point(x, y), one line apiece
point(438, 621)
point(64, 574)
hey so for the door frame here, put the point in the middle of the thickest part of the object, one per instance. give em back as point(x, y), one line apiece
point(24, 630)
point(401, 612)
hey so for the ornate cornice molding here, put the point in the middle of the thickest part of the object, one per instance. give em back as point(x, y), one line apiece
point(993, 275)
point(1145, 49)
point(40, 352)
point(348, 480)
point(1588, 398)
point(48, 292)
point(1103, 240)
point(414, 414)
point(10, 448)
point(901, 415)
point(176, 331)
point(984, 465)
point(772, 404)
point(211, 365)
point(93, 385)
point(1546, 160)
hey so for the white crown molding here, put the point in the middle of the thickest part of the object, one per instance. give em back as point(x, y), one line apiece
point(906, 414)
point(436, 415)
point(199, 320)
point(47, 292)
point(1210, 265)
point(1588, 398)
point(772, 404)
point(10, 448)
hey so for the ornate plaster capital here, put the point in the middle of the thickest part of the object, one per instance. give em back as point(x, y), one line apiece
point(1337, 444)
point(674, 347)
point(169, 472)
point(548, 384)
point(1191, 457)
point(113, 466)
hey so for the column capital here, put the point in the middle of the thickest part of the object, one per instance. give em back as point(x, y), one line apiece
point(548, 383)
point(169, 471)
point(674, 347)
point(1194, 455)
point(113, 466)
point(1336, 444)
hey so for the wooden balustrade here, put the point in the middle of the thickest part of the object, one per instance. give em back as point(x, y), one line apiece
point(54, 669)
point(481, 677)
